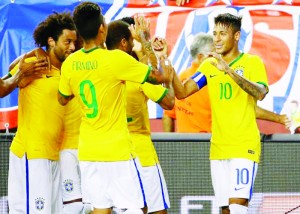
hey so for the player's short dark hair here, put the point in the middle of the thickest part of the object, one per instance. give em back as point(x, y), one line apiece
point(229, 20)
point(116, 31)
point(128, 19)
point(52, 26)
point(88, 18)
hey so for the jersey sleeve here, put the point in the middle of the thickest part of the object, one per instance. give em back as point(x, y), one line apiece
point(154, 92)
point(64, 87)
point(129, 69)
point(259, 74)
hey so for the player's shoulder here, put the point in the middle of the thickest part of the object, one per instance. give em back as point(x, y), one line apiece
point(252, 57)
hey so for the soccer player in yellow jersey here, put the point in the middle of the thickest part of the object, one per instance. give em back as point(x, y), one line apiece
point(96, 78)
point(235, 82)
point(137, 96)
point(33, 183)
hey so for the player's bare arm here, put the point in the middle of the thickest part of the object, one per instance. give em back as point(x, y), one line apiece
point(63, 100)
point(142, 30)
point(185, 89)
point(258, 91)
point(265, 114)
point(169, 100)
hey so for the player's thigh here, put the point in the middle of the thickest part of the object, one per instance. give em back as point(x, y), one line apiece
point(108, 184)
point(220, 178)
point(157, 196)
point(43, 186)
point(17, 183)
point(243, 173)
point(70, 175)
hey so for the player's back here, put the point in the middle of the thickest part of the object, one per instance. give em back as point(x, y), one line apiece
point(97, 79)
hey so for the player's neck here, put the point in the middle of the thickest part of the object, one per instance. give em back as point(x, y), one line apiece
point(89, 45)
point(231, 56)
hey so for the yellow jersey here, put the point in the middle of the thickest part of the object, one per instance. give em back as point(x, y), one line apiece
point(97, 80)
point(40, 118)
point(234, 129)
point(138, 118)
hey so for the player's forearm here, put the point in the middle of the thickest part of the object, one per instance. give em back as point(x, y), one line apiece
point(148, 50)
point(168, 124)
point(258, 91)
point(168, 101)
point(8, 85)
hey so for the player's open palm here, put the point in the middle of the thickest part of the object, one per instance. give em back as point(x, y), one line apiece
point(142, 28)
point(220, 64)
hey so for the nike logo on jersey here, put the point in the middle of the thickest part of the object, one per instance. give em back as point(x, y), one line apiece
point(212, 75)
point(237, 189)
point(48, 76)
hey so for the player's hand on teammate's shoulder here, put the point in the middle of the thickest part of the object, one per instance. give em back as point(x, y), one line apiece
point(30, 71)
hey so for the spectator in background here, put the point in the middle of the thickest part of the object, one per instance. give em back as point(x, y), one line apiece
point(193, 114)
point(294, 113)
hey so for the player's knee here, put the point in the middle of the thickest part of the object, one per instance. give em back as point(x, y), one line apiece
point(134, 211)
point(73, 208)
point(238, 209)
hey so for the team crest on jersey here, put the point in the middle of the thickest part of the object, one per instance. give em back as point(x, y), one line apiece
point(69, 186)
point(239, 71)
point(39, 203)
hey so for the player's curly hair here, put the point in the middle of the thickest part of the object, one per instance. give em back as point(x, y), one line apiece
point(229, 20)
point(88, 18)
point(52, 26)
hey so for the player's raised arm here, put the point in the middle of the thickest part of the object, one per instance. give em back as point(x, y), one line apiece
point(258, 91)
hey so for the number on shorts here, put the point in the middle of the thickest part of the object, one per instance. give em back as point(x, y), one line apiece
point(242, 176)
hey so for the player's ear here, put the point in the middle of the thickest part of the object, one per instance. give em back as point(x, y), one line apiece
point(51, 42)
point(237, 35)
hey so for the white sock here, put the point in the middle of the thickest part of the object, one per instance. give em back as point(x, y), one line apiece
point(133, 211)
point(237, 209)
point(73, 208)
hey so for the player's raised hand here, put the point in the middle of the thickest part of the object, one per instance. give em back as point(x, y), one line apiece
point(181, 2)
point(142, 28)
point(219, 63)
point(160, 47)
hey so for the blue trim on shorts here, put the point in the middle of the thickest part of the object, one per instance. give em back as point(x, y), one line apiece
point(27, 184)
point(162, 189)
point(141, 183)
point(252, 185)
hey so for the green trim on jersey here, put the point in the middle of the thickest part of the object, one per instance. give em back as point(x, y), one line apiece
point(88, 51)
point(147, 75)
point(236, 59)
point(162, 97)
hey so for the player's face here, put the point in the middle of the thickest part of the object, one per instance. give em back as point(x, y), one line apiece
point(129, 45)
point(225, 39)
point(65, 44)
